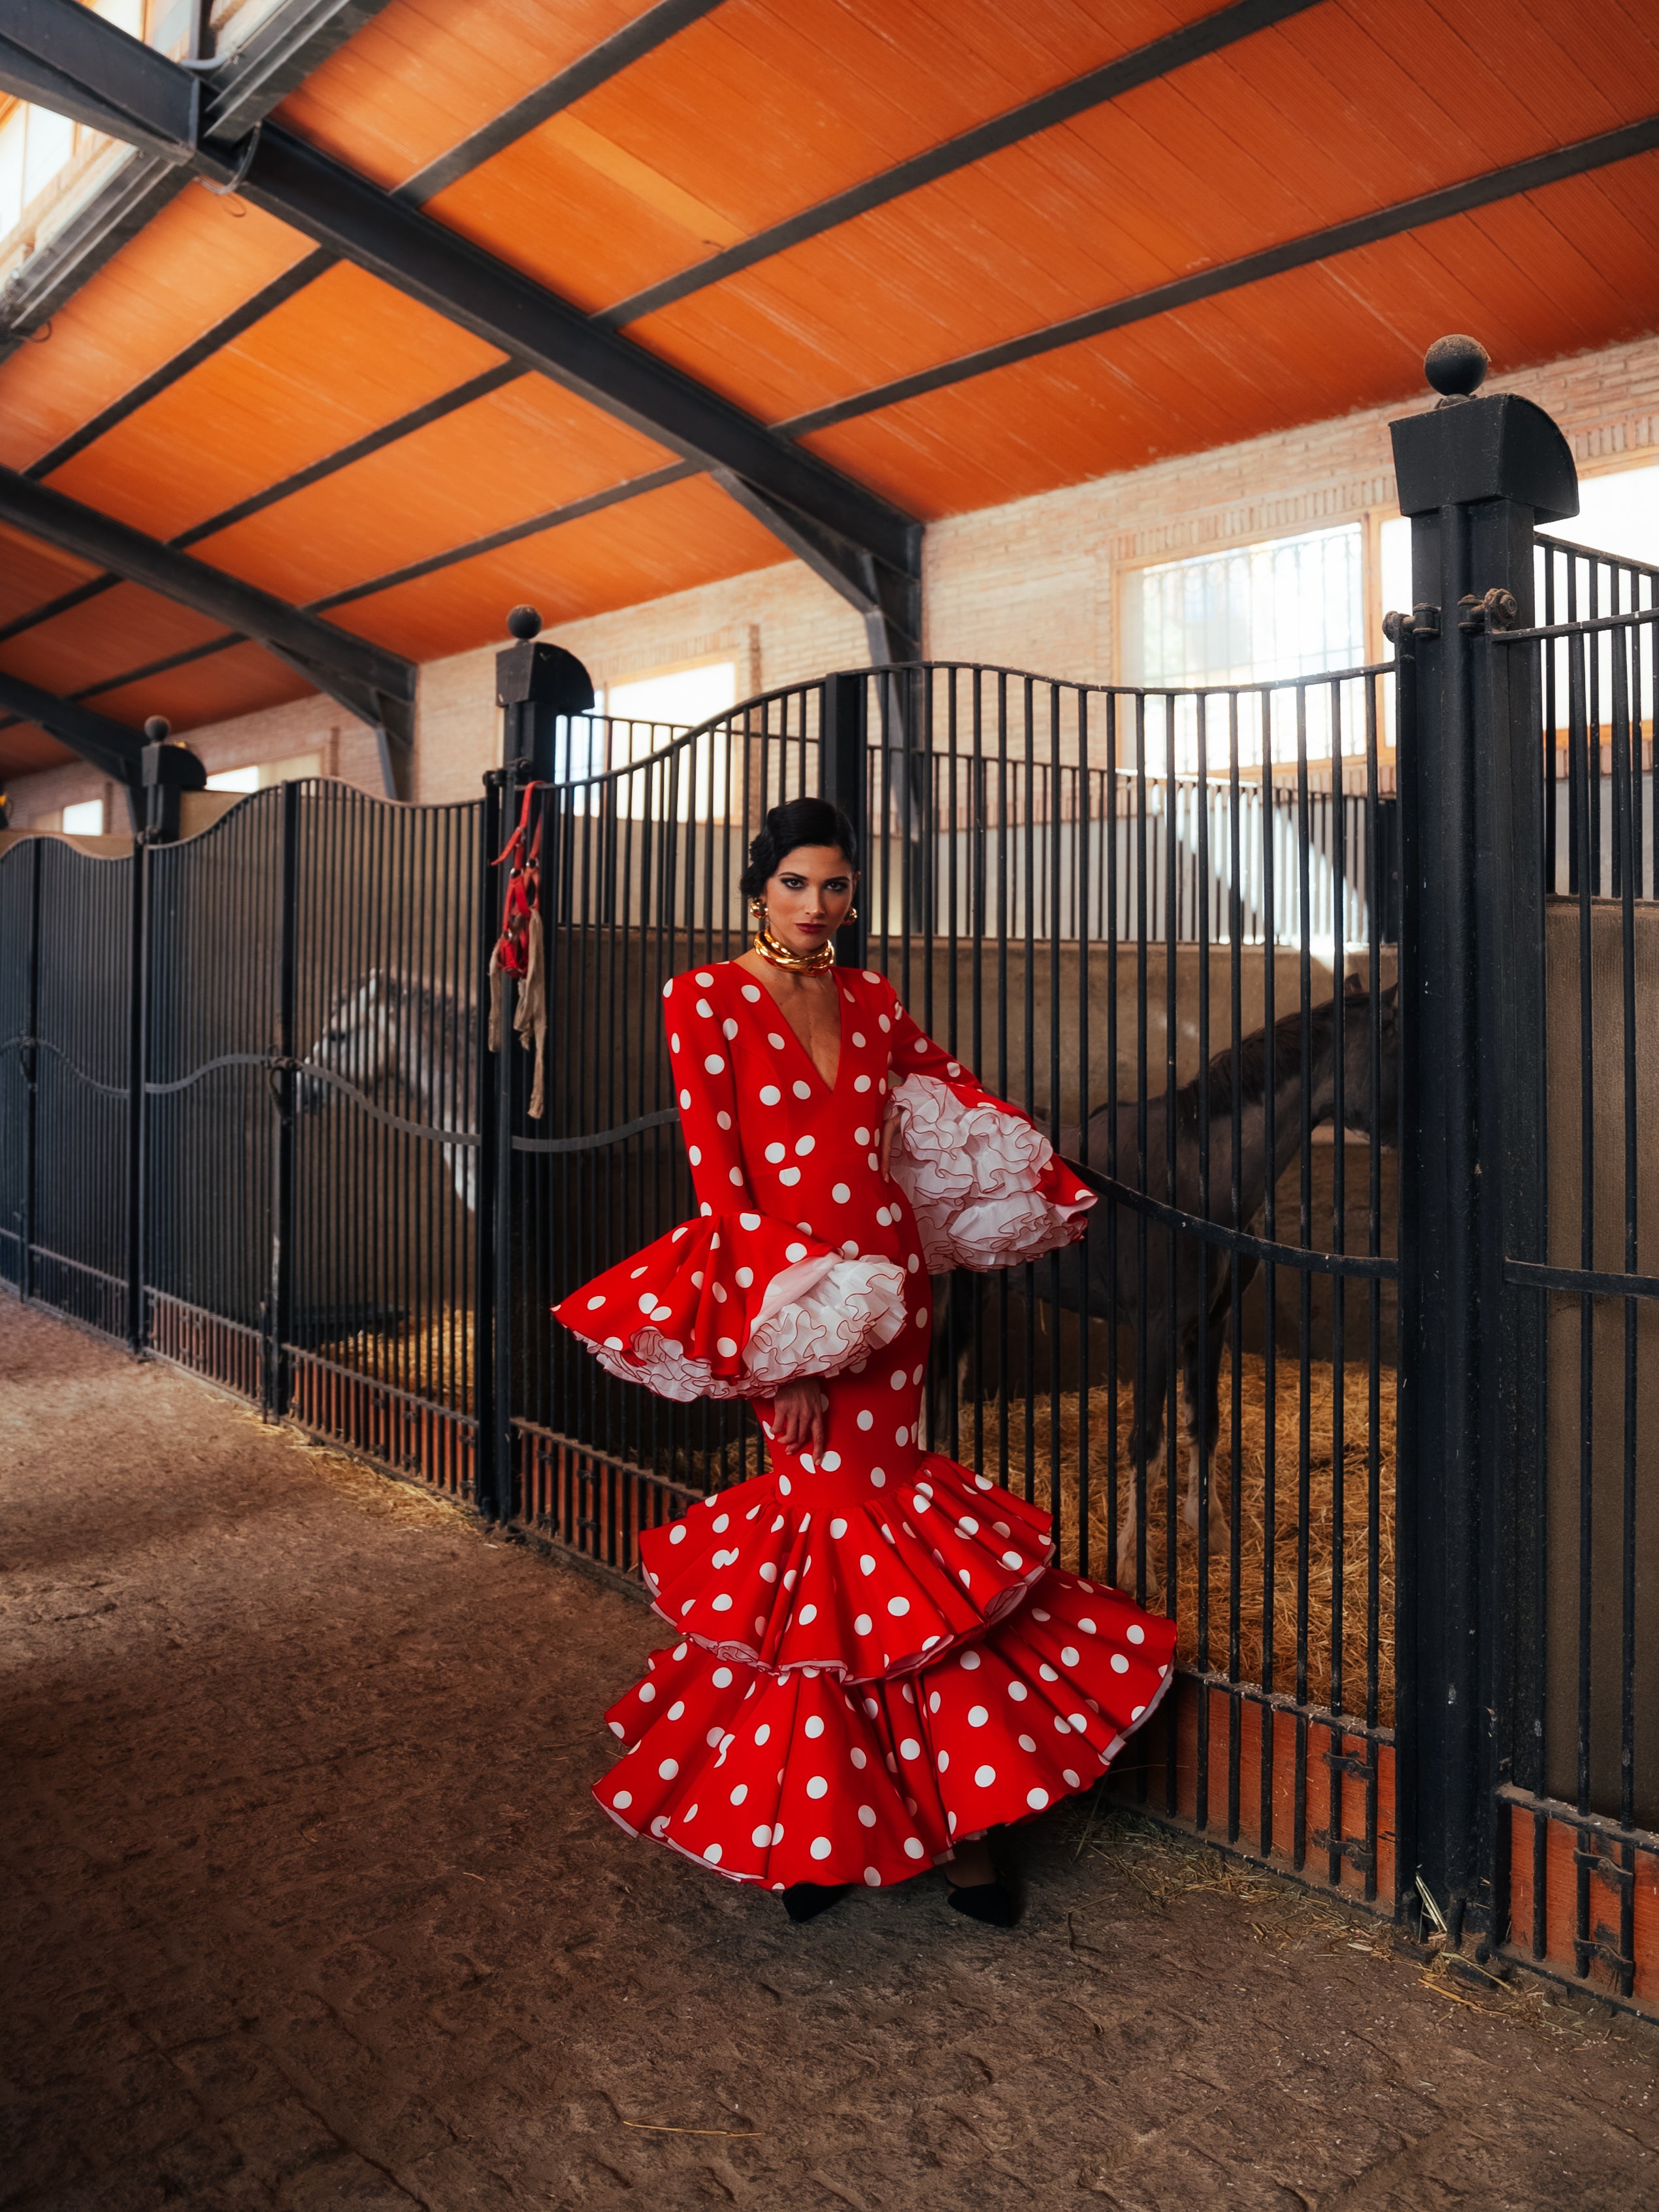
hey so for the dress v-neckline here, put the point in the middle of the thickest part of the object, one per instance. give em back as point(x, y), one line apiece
point(790, 1036)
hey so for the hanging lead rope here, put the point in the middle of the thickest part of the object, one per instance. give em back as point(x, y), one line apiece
point(519, 949)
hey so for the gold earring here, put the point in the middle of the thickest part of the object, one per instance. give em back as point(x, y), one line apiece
point(851, 913)
point(757, 911)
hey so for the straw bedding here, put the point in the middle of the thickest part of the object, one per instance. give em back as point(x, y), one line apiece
point(432, 1357)
point(1293, 1417)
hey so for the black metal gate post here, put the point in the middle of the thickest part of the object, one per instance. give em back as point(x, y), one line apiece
point(489, 1486)
point(844, 780)
point(279, 1316)
point(1473, 475)
point(505, 1333)
point(138, 1069)
point(31, 1053)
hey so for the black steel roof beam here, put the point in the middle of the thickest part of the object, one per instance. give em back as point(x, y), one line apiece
point(255, 77)
point(340, 210)
point(608, 59)
point(38, 287)
point(1530, 175)
point(891, 604)
point(111, 747)
point(1243, 20)
point(64, 57)
point(461, 395)
point(344, 212)
point(370, 683)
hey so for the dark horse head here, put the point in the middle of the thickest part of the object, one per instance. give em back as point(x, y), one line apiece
point(1305, 1052)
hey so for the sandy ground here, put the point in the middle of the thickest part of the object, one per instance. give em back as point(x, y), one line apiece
point(306, 1904)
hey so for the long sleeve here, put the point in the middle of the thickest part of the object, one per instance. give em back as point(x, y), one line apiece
point(705, 1088)
point(985, 1183)
point(738, 1301)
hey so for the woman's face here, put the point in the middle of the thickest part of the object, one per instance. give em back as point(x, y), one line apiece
point(810, 896)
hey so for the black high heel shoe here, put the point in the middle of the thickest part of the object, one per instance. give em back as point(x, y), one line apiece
point(804, 1900)
point(991, 1902)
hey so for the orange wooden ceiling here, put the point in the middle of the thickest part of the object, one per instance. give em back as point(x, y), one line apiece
point(754, 112)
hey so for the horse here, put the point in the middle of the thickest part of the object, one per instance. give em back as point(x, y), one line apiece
point(1091, 1284)
point(391, 1028)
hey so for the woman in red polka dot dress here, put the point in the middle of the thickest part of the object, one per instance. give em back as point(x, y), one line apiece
point(876, 1661)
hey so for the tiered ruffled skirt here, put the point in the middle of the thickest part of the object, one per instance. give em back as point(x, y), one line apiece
point(860, 1684)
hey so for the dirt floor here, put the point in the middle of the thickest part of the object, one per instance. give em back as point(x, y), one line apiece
point(306, 1904)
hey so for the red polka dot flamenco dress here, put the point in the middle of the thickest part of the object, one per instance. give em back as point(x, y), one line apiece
point(875, 1661)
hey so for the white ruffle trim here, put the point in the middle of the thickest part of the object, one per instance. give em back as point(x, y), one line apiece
point(973, 1175)
point(816, 1318)
point(852, 1309)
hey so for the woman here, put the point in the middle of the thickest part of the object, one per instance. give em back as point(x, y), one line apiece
point(876, 1663)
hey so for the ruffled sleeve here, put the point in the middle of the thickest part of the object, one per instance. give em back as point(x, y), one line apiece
point(985, 1184)
point(736, 1302)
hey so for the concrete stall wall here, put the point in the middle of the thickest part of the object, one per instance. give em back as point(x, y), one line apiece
point(1030, 584)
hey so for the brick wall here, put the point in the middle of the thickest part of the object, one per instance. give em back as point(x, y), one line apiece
point(1030, 585)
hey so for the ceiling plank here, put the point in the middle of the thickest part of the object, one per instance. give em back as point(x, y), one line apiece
point(343, 212)
point(292, 41)
point(1209, 35)
point(1507, 183)
point(223, 332)
point(534, 325)
point(595, 67)
point(295, 37)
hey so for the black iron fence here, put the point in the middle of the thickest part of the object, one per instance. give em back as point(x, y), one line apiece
point(1338, 989)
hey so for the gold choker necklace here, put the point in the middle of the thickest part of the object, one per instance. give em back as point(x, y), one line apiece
point(798, 963)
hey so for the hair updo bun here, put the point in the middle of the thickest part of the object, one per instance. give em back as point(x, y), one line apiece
point(799, 822)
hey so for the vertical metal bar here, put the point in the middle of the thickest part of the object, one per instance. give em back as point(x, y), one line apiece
point(844, 737)
point(1084, 1319)
point(1269, 1276)
point(137, 987)
point(31, 1076)
point(489, 1487)
point(281, 1327)
point(502, 1330)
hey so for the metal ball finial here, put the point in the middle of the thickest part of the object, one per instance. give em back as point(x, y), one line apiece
point(524, 622)
point(1456, 365)
point(157, 728)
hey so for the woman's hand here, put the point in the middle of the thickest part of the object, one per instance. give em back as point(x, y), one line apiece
point(797, 1416)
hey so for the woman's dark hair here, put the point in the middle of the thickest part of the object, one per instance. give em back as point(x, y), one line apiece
point(801, 822)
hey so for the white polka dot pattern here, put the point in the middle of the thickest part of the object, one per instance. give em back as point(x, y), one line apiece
point(827, 1624)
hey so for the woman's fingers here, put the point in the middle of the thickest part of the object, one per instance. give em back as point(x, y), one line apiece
point(797, 1416)
point(792, 1415)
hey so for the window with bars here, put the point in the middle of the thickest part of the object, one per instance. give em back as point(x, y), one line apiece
point(1255, 614)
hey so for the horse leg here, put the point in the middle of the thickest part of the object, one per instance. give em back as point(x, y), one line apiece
point(1200, 1415)
point(1201, 1394)
point(1147, 1448)
point(957, 1324)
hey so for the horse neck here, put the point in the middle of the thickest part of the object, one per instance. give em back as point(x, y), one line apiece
point(424, 1057)
point(1299, 1108)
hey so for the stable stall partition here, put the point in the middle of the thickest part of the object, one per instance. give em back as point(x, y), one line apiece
point(1339, 991)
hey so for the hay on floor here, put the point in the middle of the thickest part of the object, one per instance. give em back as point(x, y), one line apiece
point(1367, 1522)
point(430, 1356)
